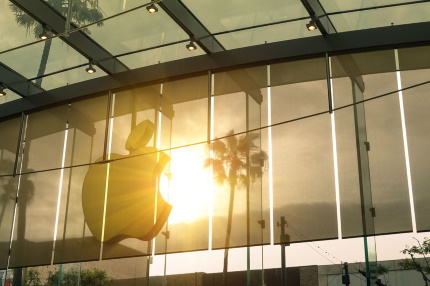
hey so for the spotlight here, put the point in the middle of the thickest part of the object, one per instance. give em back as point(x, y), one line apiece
point(191, 46)
point(2, 92)
point(152, 8)
point(311, 25)
point(90, 69)
point(44, 35)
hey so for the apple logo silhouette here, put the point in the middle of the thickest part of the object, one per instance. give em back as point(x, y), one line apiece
point(132, 198)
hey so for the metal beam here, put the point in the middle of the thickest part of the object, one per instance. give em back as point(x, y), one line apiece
point(191, 25)
point(44, 13)
point(340, 43)
point(319, 15)
point(17, 83)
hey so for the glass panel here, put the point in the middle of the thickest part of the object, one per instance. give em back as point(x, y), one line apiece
point(44, 139)
point(186, 187)
point(132, 201)
point(349, 184)
point(385, 17)
point(228, 15)
point(230, 90)
point(87, 127)
point(69, 77)
point(188, 100)
point(416, 104)
point(238, 164)
point(10, 96)
point(43, 58)
point(74, 240)
point(267, 34)
point(146, 31)
point(35, 219)
point(133, 107)
point(340, 5)
point(303, 180)
point(11, 30)
point(387, 165)
point(8, 187)
point(298, 89)
point(159, 55)
point(8, 144)
point(373, 72)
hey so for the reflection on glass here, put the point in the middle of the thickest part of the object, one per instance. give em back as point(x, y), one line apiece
point(35, 219)
point(10, 130)
point(74, 241)
point(416, 104)
point(237, 163)
point(267, 34)
point(298, 89)
point(227, 15)
point(159, 55)
point(8, 188)
point(303, 180)
point(145, 31)
point(86, 130)
point(385, 17)
point(44, 139)
point(186, 188)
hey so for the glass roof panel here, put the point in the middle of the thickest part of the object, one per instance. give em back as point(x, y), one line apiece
point(136, 30)
point(69, 77)
point(397, 15)
point(10, 96)
point(89, 11)
point(159, 55)
point(28, 60)
point(267, 34)
point(344, 5)
point(225, 15)
point(13, 34)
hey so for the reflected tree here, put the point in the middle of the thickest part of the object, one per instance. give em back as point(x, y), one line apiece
point(83, 12)
point(236, 160)
point(9, 191)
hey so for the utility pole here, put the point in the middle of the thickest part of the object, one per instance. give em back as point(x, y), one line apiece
point(345, 277)
point(285, 240)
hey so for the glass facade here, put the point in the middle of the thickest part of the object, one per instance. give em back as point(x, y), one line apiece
point(252, 160)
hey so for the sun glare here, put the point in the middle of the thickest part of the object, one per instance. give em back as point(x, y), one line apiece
point(186, 185)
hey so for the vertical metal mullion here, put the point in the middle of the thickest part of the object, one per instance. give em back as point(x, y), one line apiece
point(18, 146)
point(107, 129)
point(329, 88)
point(209, 105)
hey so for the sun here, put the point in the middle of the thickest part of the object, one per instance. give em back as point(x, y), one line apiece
point(186, 185)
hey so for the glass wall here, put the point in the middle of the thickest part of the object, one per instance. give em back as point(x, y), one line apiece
point(250, 157)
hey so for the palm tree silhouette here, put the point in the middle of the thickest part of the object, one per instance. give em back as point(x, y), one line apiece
point(83, 13)
point(237, 161)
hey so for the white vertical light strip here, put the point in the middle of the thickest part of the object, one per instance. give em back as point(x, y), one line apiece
point(108, 152)
point(335, 160)
point(211, 186)
point(270, 155)
point(405, 142)
point(60, 188)
point(157, 145)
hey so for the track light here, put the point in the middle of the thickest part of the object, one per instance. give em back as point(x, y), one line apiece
point(2, 88)
point(191, 46)
point(44, 35)
point(90, 69)
point(311, 25)
point(152, 8)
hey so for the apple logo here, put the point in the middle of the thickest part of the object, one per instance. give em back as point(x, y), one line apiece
point(132, 198)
